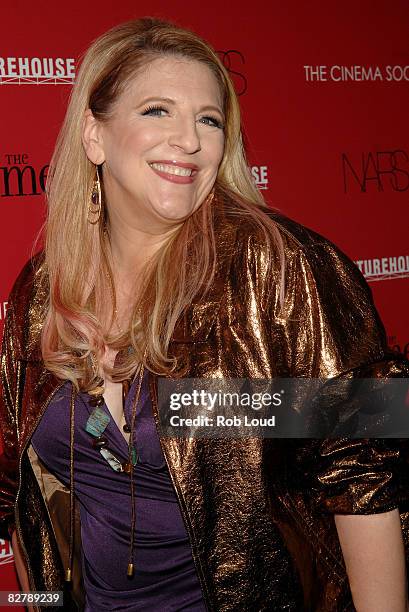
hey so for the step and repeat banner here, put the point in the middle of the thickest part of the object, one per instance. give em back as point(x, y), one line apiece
point(324, 93)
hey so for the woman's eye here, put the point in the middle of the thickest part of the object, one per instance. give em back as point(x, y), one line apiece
point(212, 121)
point(159, 111)
point(155, 111)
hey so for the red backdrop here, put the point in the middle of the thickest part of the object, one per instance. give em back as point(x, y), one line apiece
point(324, 93)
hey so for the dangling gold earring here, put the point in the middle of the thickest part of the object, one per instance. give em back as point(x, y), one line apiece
point(95, 200)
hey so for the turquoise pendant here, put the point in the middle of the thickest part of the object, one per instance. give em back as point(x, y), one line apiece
point(97, 422)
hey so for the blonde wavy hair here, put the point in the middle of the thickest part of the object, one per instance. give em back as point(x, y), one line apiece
point(76, 265)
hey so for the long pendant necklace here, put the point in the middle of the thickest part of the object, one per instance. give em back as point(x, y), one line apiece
point(99, 420)
point(96, 425)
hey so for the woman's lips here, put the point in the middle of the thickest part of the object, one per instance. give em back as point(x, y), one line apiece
point(175, 172)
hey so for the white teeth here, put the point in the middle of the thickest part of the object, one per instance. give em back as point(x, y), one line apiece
point(172, 169)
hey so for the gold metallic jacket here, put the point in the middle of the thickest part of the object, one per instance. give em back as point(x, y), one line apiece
point(258, 512)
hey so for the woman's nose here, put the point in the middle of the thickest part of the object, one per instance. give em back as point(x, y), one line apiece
point(185, 136)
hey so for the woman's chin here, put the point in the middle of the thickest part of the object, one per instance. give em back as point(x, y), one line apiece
point(175, 213)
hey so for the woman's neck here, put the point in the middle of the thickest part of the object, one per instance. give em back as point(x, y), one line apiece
point(129, 252)
point(133, 247)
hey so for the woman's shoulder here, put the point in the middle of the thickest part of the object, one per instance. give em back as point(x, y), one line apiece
point(298, 241)
point(307, 256)
point(295, 236)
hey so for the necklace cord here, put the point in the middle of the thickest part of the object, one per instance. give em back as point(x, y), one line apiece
point(130, 470)
point(68, 572)
point(130, 569)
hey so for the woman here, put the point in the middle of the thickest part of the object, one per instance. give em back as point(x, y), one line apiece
point(161, 259)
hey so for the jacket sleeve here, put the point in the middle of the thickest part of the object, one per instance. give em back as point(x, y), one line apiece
point(333, 331)
point(11, 373)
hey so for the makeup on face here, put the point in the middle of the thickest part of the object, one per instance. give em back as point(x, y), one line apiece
point(165, 142)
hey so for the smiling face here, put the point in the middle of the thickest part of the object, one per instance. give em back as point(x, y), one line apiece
point(163, 145)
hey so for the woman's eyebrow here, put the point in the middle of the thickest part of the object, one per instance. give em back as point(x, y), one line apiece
point(173, 102)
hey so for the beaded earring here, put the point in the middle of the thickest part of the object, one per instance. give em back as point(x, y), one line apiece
point(95, 200)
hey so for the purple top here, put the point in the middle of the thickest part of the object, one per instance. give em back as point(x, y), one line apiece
point(165, 578)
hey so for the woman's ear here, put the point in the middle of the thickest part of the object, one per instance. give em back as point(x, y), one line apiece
point(92, 138)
